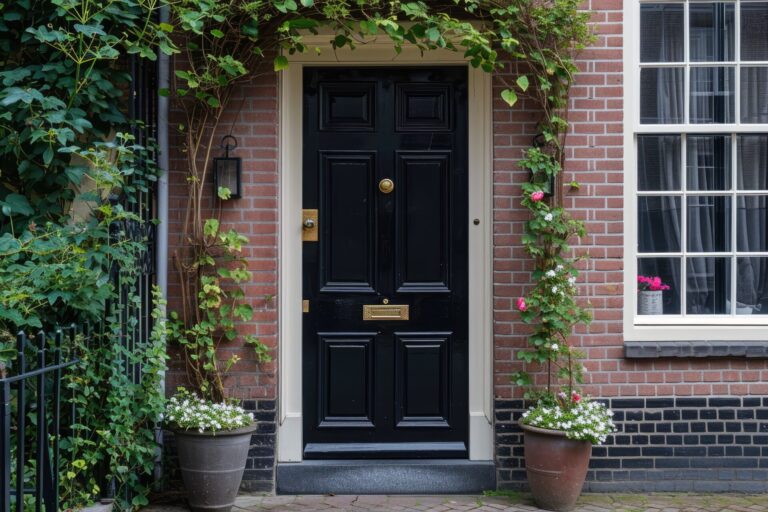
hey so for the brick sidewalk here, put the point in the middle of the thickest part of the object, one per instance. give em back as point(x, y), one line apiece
point(511, 503)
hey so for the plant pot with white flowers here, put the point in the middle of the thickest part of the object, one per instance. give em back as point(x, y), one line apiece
point(212, 441)
point(560, 426)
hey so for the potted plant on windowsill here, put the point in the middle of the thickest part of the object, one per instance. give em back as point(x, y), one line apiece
point(649, 295)
point(212, 440)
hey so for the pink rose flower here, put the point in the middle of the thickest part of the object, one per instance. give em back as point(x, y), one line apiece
point(576, 397)
point(537, 196)
point(521, 305)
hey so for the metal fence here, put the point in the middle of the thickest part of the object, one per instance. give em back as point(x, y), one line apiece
point(30, 419)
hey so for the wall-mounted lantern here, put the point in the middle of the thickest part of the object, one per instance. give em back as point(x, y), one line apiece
point(547, 182)
point(226, 170)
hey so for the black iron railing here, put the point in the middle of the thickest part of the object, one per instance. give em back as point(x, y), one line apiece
point(30, 419)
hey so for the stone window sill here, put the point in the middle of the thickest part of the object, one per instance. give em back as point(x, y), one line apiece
point(695, 349)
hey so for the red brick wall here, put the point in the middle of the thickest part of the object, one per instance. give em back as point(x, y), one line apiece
point(595, 159)
point(253, 120)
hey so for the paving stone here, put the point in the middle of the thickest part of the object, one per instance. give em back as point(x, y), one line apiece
point(666, 502)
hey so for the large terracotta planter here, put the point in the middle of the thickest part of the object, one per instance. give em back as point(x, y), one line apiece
point(556, 466)
point(212, 466)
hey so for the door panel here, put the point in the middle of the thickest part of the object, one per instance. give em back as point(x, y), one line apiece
point(422, 380)
point(347, 221)
point(383, 386)
point(346, 377)
point(422, 239)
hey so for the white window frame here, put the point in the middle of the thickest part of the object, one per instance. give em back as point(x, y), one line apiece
point(675, 327)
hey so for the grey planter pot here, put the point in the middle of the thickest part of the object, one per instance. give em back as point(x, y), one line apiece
point(212, 466)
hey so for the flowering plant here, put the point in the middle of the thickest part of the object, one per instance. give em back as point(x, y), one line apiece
point(652, 283)
point(580, 419)
point(187, 411)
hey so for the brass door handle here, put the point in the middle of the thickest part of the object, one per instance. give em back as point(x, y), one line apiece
point(386, 185)
point(309, 223)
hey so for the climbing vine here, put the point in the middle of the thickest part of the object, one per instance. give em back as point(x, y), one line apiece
point(230, 42)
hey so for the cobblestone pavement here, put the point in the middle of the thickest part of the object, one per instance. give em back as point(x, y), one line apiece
point(512, 502)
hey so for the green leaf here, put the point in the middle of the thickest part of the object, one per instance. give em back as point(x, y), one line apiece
point(522, 83)
point(217, 33)
point(307, 3)
point(509, 96)
point(17, 204)
point(281, 62)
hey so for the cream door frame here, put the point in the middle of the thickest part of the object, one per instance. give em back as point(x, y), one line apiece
point(375, 53)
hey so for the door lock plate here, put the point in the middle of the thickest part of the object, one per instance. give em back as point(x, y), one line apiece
point(309, 225)
point(386, 312)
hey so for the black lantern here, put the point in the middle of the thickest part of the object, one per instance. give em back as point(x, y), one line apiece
point(226, 170)
point(547, 182)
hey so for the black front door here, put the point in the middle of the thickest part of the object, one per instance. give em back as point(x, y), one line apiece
point(385, 284)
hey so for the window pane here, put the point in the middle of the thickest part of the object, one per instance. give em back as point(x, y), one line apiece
point(659, 224)
point(712, 99)
point(661, 95)
point(754, 94)
point(708, 286)
point(711, 32)
point(709, 223)
point(754, 20)
point(668, 269)
point(752, 223)
point(658, 162)
point(708, 162)
point(661, 33)
point(752, 162)
point(752, 286)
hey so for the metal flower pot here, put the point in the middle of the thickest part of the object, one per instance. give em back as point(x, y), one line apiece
point(650, 302)
point(212, 466)
point(556, 467)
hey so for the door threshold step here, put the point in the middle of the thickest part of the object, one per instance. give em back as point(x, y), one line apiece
point(429, 476)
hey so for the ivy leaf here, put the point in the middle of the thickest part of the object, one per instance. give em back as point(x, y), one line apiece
point(522, 83)
point(307, 3)
point(281, 62)
point(17, 204)
point(217, 33)
point(509, 96)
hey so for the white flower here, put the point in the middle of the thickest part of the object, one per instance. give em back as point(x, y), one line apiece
point(572, 280)
point(555, 346)
point(548, 217)
point(554, 289)
point(551, 273)
point(559, 267)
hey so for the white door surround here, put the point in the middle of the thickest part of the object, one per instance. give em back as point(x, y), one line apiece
point(375, 53)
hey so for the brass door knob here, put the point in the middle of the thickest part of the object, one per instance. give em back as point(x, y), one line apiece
point(309, 223)
point(386, 185)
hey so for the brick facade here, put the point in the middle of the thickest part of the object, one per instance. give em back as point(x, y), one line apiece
point(715, 428)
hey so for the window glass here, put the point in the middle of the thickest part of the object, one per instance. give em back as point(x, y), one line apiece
point(708, 286)
point(661, 96)
point(709, 223)
point(754, 31)
point(661, 33)
point(668, 270)
point(659, 220)
point(711, 32)
point(752, 162)
point(754, 94)
point(712, 99)
point(708, 162)
point(658, 162)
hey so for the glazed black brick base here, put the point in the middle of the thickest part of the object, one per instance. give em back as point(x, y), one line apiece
point(259, 468)
point(715, 444)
